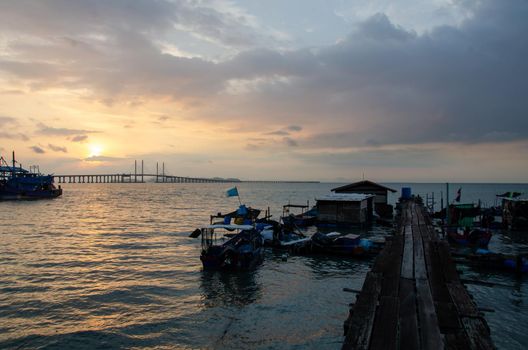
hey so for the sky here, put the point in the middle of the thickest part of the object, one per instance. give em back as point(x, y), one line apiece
point(333, 90)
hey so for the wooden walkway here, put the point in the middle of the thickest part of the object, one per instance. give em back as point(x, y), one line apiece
point(413, 298)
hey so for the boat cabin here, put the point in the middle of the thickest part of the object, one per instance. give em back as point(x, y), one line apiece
point(345, 208)
point(380, 192)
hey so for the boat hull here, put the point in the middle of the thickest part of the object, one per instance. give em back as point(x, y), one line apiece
point(234, 261)
point(44, 194)
point(476, 238)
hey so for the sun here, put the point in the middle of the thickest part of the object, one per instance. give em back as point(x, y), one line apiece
point(95, 150)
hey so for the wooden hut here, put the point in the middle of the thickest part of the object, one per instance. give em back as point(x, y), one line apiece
point(345, 208)
point(515, 213)
point(380, 192)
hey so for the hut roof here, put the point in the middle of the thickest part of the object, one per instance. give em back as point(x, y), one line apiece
point(344, 197)
point(362, 183)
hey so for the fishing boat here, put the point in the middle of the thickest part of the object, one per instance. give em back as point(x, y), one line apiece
point(243, 215)
point(302, 219)
point(19, 183)
point(467, 237)
point(335, 243)
point(242, 251)
point(281, 236)
point(483, 258)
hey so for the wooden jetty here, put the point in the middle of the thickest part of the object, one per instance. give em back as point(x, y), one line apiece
point(413, 297)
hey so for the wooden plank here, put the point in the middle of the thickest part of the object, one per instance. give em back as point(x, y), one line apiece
point(462, 301)
point(447, 316)
point(448, 266)
point(409, 336)
point(385, 331)
point(362, 320)
point(457, 341)
point(407, 267)
point(478, 333)
point(391, 274)
point(430, 331)
point(420, 268)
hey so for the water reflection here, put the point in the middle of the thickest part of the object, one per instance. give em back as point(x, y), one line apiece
point(228, 288)
point(334, 266)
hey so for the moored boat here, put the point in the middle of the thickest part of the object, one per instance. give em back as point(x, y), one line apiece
point(302, 219)
point(335, 243)
point(475, 237)
point(242, 251)
point(19, 183)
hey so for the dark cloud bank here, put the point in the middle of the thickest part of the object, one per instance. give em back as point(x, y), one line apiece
point(380, 85)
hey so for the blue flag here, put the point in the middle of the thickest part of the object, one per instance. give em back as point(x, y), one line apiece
point(232, 192)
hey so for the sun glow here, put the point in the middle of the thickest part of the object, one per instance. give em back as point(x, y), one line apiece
point(95, 150)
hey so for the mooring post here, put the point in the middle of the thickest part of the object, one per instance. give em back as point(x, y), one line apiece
point(447, 203)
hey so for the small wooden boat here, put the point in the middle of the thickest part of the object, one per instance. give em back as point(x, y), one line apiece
point(336, 244)
point(242, 251)
point(303, 219)
point(467, 237)
point(283, 237)
point(483, 258)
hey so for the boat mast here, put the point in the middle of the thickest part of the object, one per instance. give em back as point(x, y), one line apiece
point(13, 164)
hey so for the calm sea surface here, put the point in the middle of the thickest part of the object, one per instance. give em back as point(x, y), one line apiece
point(111, 266)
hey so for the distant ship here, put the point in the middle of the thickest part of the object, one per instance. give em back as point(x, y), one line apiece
point(19, 183)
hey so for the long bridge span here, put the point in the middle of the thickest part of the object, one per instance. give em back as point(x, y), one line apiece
point(132, 178)
point(159, 176)
point(140, 178)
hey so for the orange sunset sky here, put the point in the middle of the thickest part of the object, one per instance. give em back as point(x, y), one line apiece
point(305, 90)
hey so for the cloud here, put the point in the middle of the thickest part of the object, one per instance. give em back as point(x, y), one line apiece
point(13, 136)
point(4, 121)
point(37, 149)
point(51, 131)
point(251, 147)
point(285, 131)
point(79, 138)
point(57, 148)
point(290, 142)
point(382, 84)
point(278, 133)
point(294, 128)
point(102, 159)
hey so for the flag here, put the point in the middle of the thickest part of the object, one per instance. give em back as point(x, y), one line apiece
point(459, 193)
point(232, 192)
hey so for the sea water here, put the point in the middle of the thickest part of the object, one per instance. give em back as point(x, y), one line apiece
point(112, 266)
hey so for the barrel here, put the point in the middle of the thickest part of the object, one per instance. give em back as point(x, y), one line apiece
point(406, 193)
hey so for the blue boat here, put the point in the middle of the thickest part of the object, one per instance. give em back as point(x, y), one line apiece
point(19, 183)
point(243, 250)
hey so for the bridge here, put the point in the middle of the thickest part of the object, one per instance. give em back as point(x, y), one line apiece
point(132, 178)
point(158, 177)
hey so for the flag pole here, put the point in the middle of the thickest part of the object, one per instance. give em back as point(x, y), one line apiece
point(238, 195)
